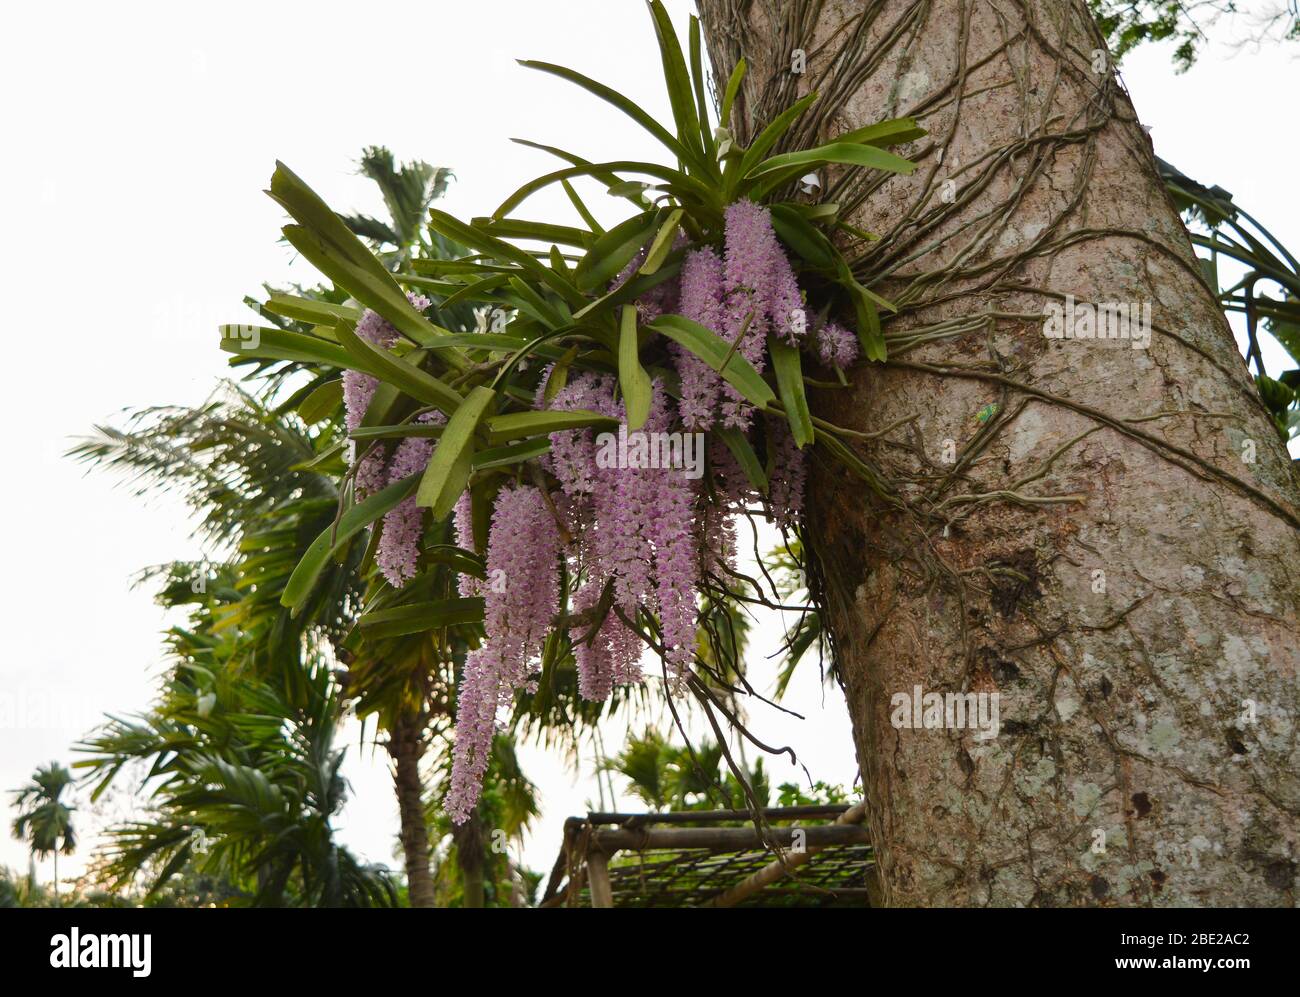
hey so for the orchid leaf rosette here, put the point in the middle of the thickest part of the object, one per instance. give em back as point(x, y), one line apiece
point(579, 456)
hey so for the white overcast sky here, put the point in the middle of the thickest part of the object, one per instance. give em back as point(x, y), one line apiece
point(137, 139)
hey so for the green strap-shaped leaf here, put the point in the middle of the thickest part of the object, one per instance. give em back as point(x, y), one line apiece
point(559, 375)
point(612, 251)
point(331, 457)
point(420, 429)
point(309, 309)
point(876, 299)
point(515, 454)
point(789, 382)
point(265, 343)
point(322, 402)
point(516, 425)
point(768, 136)
point(604, 177)
point(385, 297)
point(527, 300)
point(559, 264)
point(745, 456)
point(678, 80)
point(663, 244)
point(757, 190)
point(895, 131)
point(442, 268)
point(714, 351)
point(700, 81)
point(517, 228)
point(448, 471)
point(325, 239)
point(866, 305)
point(453, 228)
point(417, 617)
point(835, 152)
point(631, 290)
point(464, 561)
point(388, 406)
point(476, 290)
point(628, 107)
point(310, 210)
point(733, 88)
point(683, 185)
point(419, 384)
point(333, 539)
point(632, 377)
point(870, 334)
point(588, 218)
point(803, 237)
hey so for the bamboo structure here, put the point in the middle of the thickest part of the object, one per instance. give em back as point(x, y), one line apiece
point(792, 856)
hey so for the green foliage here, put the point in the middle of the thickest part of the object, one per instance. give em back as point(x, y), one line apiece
point(243, 784)
point(1130, 23)
point(1220, 226)
point(260, 465)
point(44, 821)
point(669, 777)
point(506, 809)
point(558, 306)
point(666, 776)
point(408, 191)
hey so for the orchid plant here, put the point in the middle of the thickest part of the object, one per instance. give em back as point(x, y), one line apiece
point(544, 459)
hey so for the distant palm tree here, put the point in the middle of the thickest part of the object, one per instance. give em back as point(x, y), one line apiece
point(245, 783)
point(667, 776)
point(43, 821)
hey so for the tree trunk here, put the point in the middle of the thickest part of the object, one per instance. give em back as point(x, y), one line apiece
point(1104, 536)
point(471, 856)
point(406, 746)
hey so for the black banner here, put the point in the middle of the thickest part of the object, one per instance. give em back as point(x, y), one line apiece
point(142, 947)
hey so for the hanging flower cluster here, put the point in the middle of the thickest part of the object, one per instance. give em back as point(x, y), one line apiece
point(633, 527)
point(647, 523)
point(644, 531)
point(675, 397)
point(523, 552)
point(398, 555)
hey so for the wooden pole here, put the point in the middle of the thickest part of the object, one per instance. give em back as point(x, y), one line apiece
point(732, 839)
point(598, 879)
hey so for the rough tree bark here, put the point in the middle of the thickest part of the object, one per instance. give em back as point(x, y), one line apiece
point(1099, 549)
point(406, 747)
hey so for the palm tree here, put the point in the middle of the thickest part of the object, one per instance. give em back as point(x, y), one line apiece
point(260, 470)
point(408, 190)
point(43, 820)
point(471, 866)
point(666, 776)
point(244, 780)
point(261, 475)
point(260, 467)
